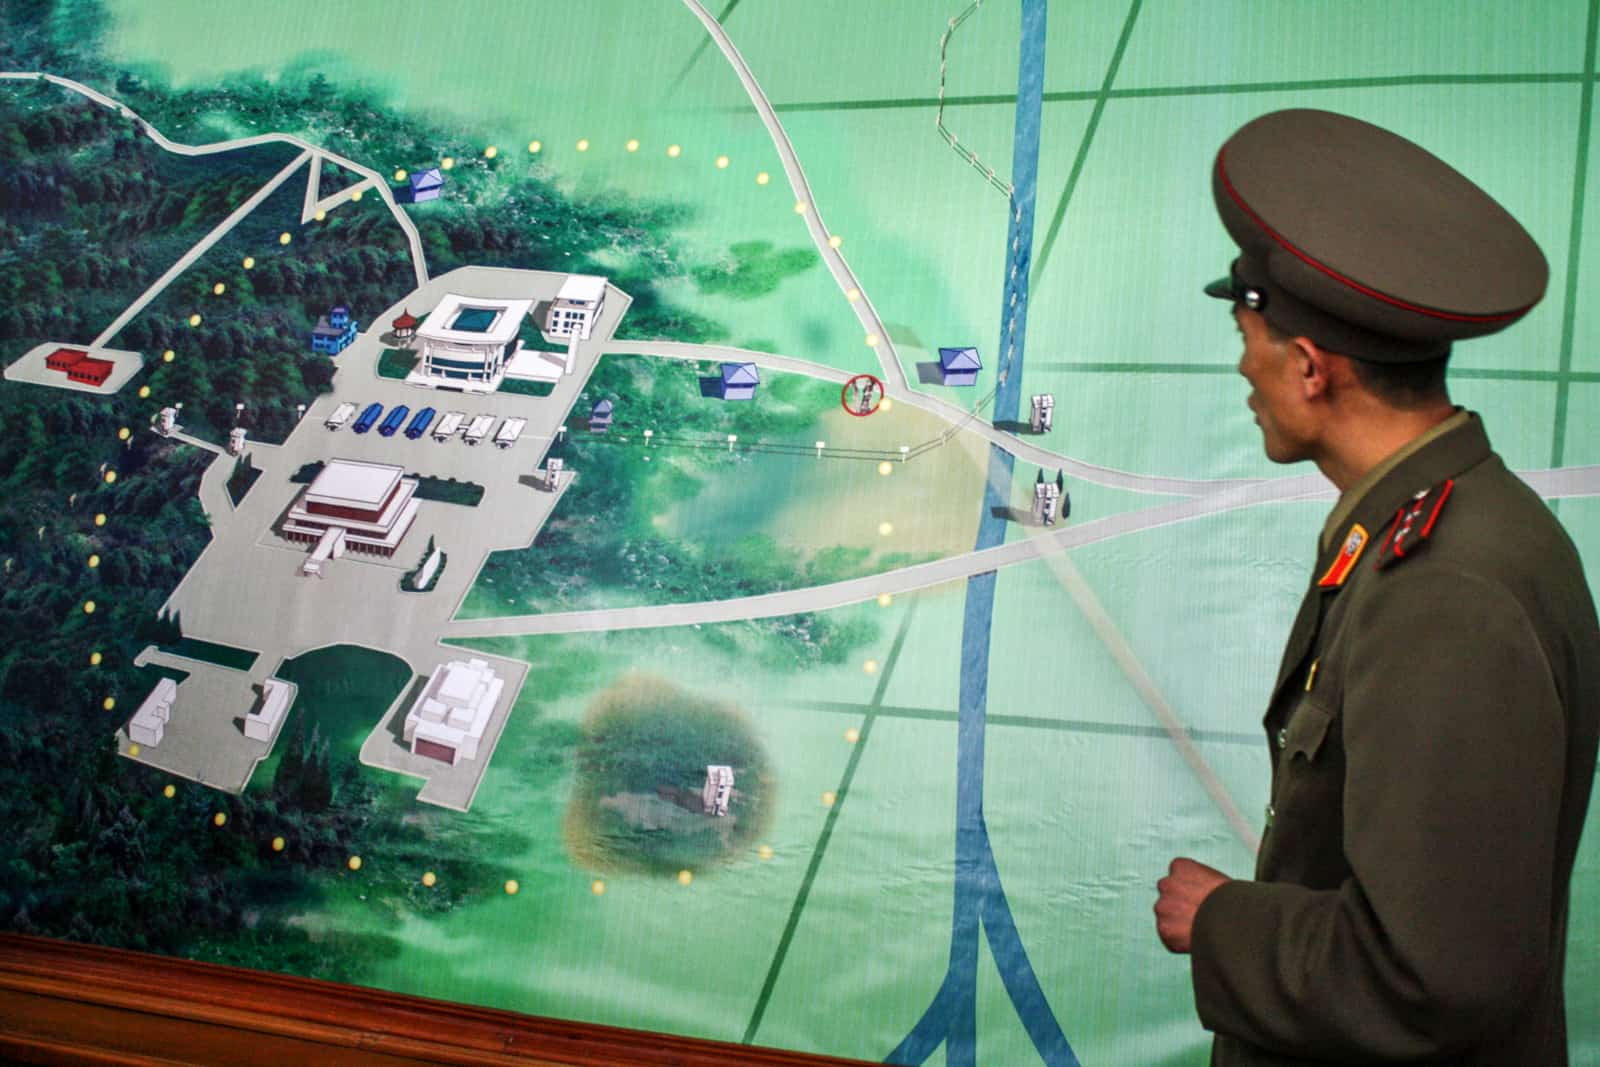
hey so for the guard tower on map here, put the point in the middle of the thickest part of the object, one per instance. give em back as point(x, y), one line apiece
point(1046, 495)
point(1044, 413)
point(718, 789)
point(552, 474)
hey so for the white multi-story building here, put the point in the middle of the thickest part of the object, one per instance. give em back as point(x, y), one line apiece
point(449, 717)
point(576, 307)
point(371, 503)
point(467, 341)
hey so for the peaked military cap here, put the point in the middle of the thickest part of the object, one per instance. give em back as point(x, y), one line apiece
point(1364, 242)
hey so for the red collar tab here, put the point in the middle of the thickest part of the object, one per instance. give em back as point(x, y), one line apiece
point(1345, 562)
point(1413, 523)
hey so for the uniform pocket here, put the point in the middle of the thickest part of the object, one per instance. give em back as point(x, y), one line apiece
point(1306, 732)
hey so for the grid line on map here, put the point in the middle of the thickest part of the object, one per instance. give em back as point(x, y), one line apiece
point(1569, 311)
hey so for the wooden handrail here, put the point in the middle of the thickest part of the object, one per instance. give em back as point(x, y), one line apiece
point(66, 1003)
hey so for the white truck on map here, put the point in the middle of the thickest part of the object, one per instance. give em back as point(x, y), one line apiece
point(478, 429)
point(510, 430)
point(446, 427)
point(340, 416)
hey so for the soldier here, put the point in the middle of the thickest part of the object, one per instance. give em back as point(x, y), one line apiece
point(1433, 724)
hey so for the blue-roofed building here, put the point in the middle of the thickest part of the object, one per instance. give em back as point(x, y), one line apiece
point(600, 416)
point(739, 381)
point(959, 366)
point(428, 185)
point(334, 332)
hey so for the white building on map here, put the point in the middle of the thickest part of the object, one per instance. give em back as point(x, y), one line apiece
point(149, 723)
point(467, 341)
point(363, 507)
point(718, 790)
point(453, 711)
point(576, 307)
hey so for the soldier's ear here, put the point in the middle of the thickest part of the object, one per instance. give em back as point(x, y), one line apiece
point(1313, 366)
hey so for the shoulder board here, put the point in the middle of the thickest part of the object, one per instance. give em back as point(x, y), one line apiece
point(1413, 523)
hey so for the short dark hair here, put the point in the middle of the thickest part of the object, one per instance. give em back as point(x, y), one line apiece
point(1405, 386)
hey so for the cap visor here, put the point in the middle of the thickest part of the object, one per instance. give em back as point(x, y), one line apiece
point(1222, 289)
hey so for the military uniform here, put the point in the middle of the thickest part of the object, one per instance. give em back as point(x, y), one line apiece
point(1433, 730)
point(1433, 724)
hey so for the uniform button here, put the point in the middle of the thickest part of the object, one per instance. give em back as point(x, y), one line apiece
point(1271, 811)
point(1283, 736)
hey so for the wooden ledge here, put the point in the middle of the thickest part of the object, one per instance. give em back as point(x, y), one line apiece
point(65, 1003)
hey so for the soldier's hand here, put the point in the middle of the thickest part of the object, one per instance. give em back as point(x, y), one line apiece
point(1182, 891)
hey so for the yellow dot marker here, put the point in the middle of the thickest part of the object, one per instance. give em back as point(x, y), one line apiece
point(285, 237)
point(685, 877)
point(886, 404)
point(144, 392)
point(249, 262)
point(134, 749)
point(885, 529)
point(633, 144)
point(597, 887)
point(763, 178)
point(852, 735)
point(674, 151)
point(852, 295)
point(94, 659)
point(278, 844)
point(447, 162)
point(534, 147)
point(765, 852)
point(94, 561)
point(835, 241)
point(111, 477)
point(358, 194)
point(218, 289)
point(886, 468)
point(124, 433)
point(88, 607)
point(801, 207)
point(100, 519)
point(401, 175)
point(885, 599)
point(490, 152)
point(828, 798)
point(170, 791)
point(109, 703)
point(872, 340)
point(512, 887)
point(429, 879)
point(219, 819)
point(320, 216)
point(583, 144)
point(722, 162)
point(871, 666)
point(194, 320)
point(168, 356)
point(354, 863)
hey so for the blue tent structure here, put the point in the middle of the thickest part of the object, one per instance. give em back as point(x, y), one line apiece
point(959, 366)
point(739, 381)
point(600, 416)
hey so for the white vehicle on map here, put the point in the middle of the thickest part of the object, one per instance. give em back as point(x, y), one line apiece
point(478, 429)
point(447, 427)
point(340, 416)
point(510, 430)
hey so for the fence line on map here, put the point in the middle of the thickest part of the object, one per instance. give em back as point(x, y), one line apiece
point(950, 138)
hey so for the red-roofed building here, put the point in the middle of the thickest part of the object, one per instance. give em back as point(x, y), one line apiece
point(64, 358)
point(90, 371)
point(405, 327)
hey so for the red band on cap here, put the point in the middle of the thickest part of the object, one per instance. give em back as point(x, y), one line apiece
point(1222, 172)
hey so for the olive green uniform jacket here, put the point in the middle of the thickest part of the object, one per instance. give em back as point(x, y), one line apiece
point(1433, 732)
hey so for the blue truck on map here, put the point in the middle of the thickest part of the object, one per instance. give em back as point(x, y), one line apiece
point(420, 424)
point(394, 420)
point(368, 417)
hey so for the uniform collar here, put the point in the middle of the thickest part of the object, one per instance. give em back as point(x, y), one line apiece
point(1455, 445)
point(1350, 499)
